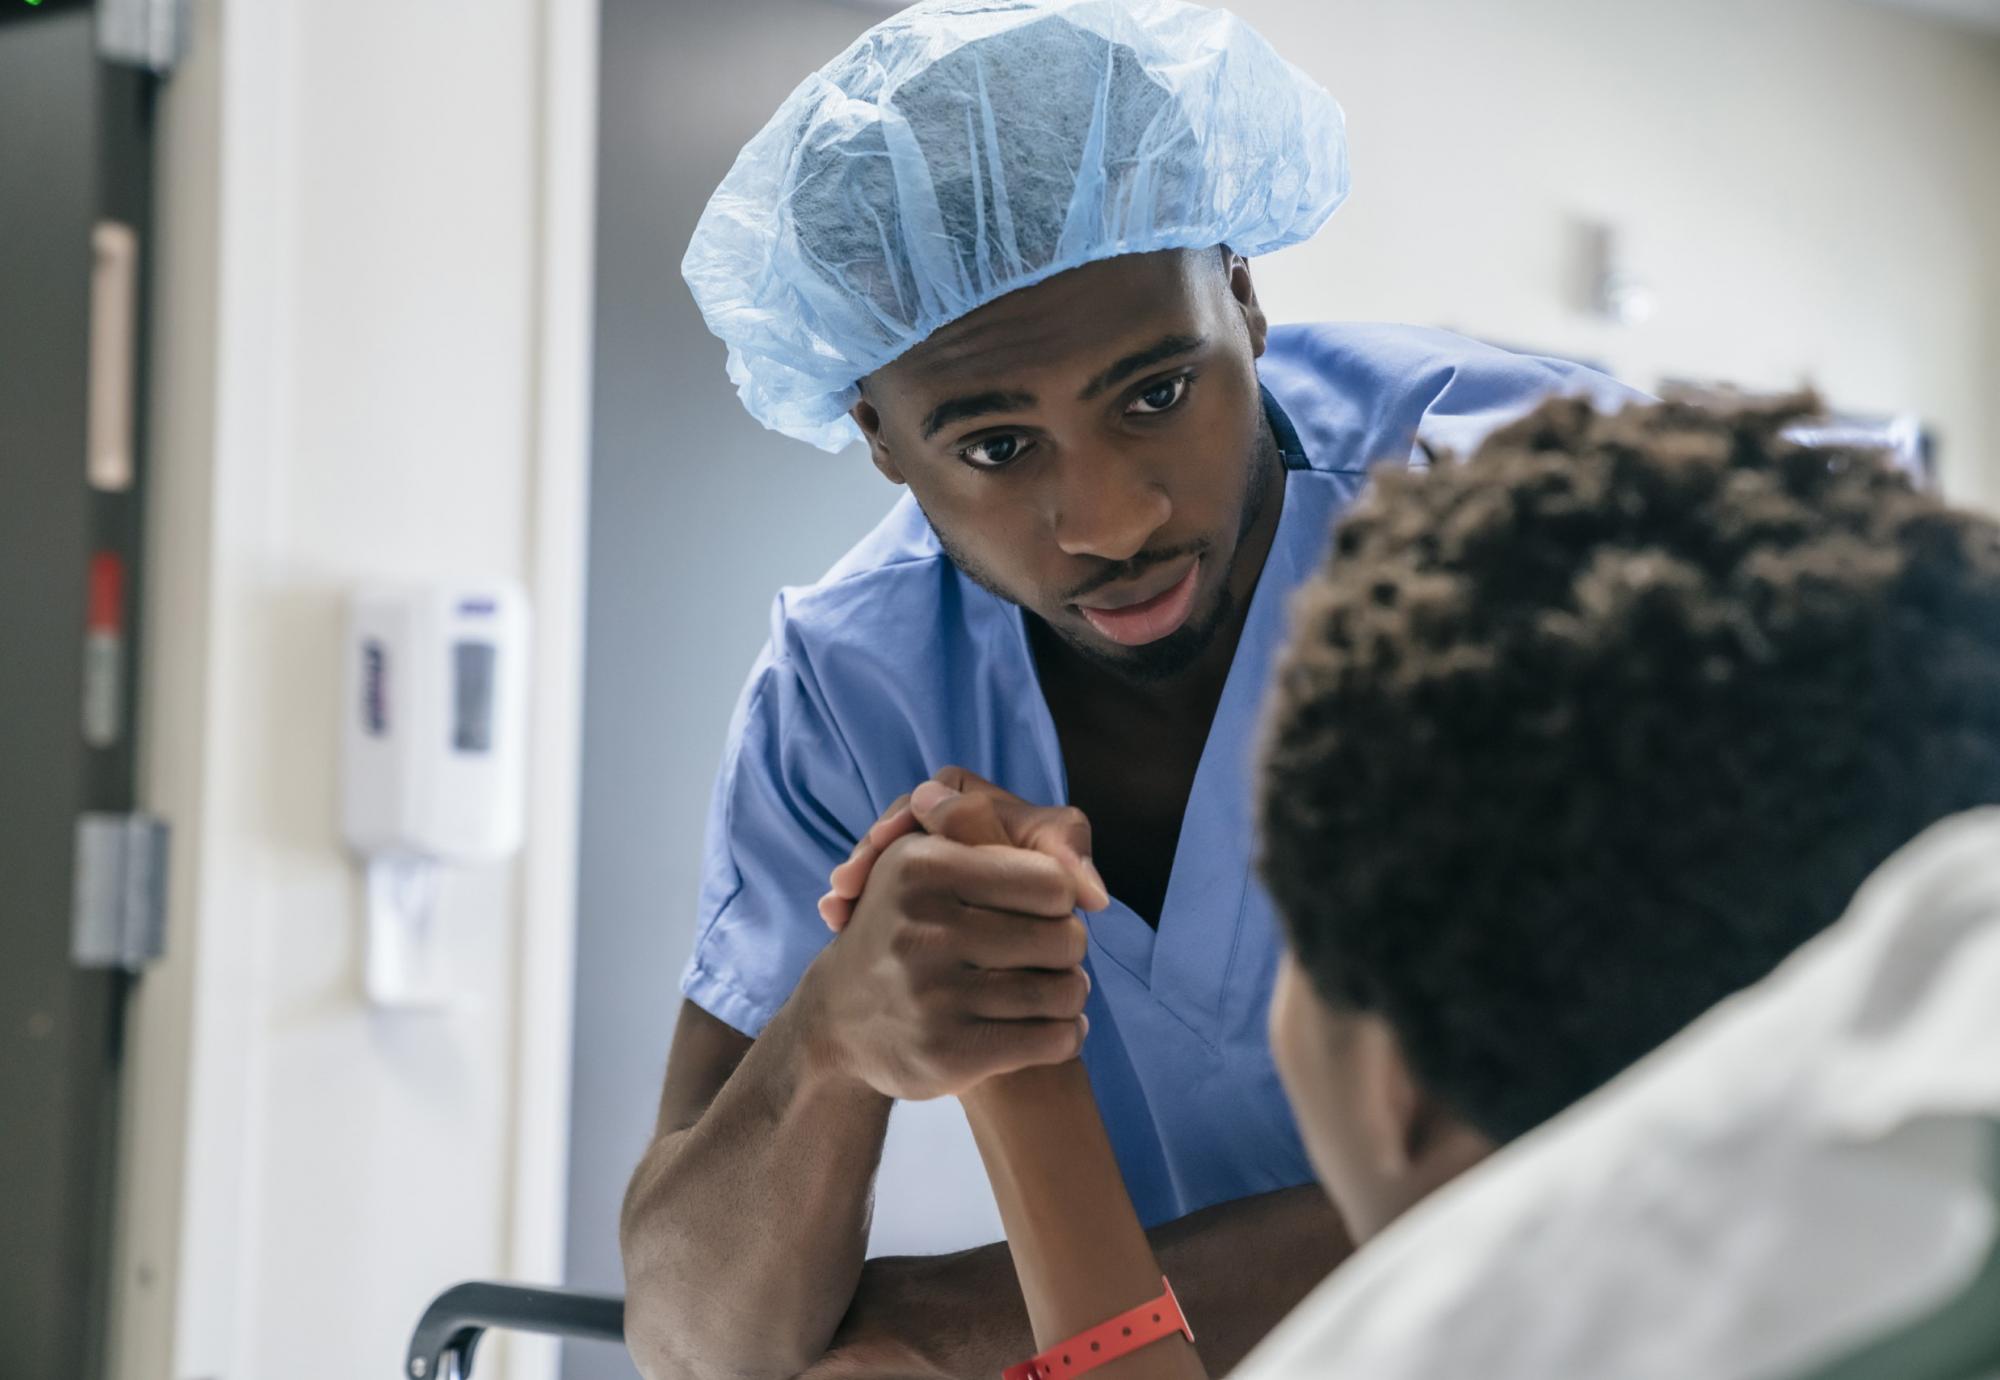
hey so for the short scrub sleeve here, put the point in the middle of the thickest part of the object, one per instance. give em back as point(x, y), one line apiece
point(788, 806)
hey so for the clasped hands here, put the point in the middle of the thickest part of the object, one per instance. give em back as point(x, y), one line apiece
point(959, 951)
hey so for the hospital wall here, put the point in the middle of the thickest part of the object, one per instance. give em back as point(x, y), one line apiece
point(1807, 186)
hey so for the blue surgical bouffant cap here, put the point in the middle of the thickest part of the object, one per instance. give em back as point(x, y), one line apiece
point(965, 148)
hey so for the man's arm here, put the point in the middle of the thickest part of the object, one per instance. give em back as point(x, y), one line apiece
point(1074, 1244)
point(745, 1225)
point(1237, 1267)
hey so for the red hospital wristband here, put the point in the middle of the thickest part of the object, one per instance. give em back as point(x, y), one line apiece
point(1123, 1335)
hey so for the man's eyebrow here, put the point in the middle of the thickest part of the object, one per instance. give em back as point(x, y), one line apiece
point(974, 405)
point(1157, 353)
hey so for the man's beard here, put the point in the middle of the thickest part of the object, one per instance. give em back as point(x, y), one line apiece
point(1169, 656)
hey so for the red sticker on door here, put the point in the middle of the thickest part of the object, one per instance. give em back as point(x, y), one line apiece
point(104, 651)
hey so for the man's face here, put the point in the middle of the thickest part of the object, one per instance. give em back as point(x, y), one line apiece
point(1094, 449)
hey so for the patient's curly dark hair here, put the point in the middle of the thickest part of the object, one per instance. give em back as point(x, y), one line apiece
point(1579, 736)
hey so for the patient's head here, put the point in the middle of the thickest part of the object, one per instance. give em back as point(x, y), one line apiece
point(1576, 738)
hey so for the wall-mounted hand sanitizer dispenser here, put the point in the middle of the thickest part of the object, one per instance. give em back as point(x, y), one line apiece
point(433, 740)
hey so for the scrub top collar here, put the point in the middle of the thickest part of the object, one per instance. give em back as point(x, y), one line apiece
point(1186, 963)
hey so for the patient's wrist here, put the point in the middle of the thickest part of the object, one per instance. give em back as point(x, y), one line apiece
point(1053, 1090)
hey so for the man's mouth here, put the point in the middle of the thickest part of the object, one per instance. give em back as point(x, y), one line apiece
point(1133, 617)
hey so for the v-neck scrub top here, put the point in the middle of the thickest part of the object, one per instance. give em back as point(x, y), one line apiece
point(895, 665)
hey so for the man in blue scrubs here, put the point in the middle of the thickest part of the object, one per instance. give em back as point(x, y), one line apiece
point(1007, 245)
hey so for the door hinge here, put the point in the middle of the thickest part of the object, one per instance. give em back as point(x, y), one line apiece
point(152, 34)
point(120, 917)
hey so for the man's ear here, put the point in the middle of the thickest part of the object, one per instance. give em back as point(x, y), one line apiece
point(870, 421)
point(1245, 294)
point(1389, 1104)
point(1413, 1139)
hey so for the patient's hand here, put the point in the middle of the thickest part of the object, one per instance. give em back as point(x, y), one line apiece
point(963, 807)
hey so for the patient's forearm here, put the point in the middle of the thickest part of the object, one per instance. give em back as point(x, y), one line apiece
point(1078, 1248)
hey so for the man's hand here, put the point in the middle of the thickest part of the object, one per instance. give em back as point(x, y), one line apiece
point(958, 962)
point(959, 805)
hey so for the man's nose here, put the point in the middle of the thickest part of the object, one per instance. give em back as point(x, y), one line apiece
point(1108, 505)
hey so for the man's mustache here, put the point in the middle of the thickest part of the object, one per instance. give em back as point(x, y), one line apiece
point(1128, 569)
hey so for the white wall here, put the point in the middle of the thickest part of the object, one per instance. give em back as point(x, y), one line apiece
point(360, 375)
point(1808, 185)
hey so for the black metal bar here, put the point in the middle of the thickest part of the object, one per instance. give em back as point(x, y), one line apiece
point(442, 1345)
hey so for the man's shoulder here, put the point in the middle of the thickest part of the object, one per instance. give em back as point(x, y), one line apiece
point(1382, 353)
point(1362, 392)
point(888, 597)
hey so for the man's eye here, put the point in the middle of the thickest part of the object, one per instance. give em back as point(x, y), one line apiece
point(1160, 396)
point(992, 452)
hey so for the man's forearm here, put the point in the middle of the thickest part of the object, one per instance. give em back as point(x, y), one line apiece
point(743, 1236)
point(1238, 1268)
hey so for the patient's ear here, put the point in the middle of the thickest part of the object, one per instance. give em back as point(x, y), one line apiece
point(1389, 1107)
point(1415, 1143)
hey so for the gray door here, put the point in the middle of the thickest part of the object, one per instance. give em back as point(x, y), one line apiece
point(73, 157)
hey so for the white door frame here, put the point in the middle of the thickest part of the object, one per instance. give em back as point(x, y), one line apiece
point(559, 556)
point(183, 1259)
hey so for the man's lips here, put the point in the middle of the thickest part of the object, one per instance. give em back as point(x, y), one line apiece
point(1134, 622)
